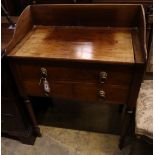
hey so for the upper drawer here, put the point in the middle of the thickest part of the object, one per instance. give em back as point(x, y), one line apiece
point(118, 75)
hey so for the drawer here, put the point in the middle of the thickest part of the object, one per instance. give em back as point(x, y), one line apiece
point(79, 91)
point(33, 88)
point(113, 93)
point(116, 75)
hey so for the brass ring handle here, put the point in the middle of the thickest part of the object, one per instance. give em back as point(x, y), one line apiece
point(102, 94)
point(103, 76)
point(44, 81)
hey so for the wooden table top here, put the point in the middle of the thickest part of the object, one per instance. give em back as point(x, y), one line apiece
point(94, 43)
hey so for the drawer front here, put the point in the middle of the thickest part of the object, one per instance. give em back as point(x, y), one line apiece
point(33, 88)
point(116, 75)
point(80, 91)
point(72, 81)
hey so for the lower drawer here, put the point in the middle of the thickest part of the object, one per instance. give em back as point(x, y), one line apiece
point(80, 91)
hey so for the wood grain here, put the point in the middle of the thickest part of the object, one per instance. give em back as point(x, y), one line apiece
point(23, 26)
point(79, 91)
point(94, 43)
point(118, 75)
point(6, 35)
point(103, 15)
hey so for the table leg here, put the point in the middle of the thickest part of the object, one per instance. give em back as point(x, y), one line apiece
point(32, 117)
point(127, 120)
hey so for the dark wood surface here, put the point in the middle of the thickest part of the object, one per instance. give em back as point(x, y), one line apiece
point(82, 17)
point(75, 71)
point(6, 35)
point(70, 81)
point(148, 6)
point(82, 43)
point(85, 15)
point(27, 24)
point(80, 91)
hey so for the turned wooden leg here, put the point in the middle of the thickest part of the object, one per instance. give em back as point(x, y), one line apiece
point(125, 127)
point(32, 117)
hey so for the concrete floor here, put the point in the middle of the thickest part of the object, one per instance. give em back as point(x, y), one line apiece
point(60, 141)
